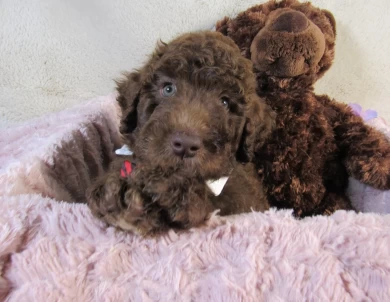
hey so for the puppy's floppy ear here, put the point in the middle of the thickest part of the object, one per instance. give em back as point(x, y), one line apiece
point(129, 89)
point(260, 121)
point(128, 99)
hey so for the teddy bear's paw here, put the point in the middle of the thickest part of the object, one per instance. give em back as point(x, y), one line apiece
point(374, 172)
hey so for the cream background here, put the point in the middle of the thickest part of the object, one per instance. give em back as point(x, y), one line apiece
point(57, 53)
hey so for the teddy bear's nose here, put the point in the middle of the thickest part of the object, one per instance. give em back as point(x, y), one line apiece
point(293, 22)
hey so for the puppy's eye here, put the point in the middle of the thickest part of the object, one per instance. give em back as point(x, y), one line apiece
point(225, 102)
point(168, 90)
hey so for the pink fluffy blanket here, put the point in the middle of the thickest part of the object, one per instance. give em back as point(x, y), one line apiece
point(52, 250)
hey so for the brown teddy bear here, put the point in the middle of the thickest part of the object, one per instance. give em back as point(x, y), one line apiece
point(318, 143)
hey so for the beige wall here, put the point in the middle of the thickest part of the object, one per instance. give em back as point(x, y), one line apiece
point(57, 53)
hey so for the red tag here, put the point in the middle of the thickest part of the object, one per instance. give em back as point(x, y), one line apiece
point(126, 169)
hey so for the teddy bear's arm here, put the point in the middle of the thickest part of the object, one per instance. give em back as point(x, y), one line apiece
point(366, 151)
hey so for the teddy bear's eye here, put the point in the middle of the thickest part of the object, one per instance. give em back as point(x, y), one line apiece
point(168, 90)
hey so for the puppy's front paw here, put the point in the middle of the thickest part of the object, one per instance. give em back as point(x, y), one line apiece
point(149, 205)
point(117, 201)
point(103, 197)
point(183, 203)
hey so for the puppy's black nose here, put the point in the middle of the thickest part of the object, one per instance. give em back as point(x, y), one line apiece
point(185, 145)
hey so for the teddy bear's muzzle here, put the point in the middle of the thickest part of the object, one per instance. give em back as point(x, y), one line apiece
point(290, 21)
point(289, 45)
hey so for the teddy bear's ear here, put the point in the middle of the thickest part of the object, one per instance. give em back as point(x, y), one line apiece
point(260, 121)
point(331, 19)
point(223, 26)
point(128, 98)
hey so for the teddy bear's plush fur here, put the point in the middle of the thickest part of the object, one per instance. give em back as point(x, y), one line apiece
point(318, 143)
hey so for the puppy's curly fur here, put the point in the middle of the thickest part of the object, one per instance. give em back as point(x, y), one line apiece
point(196, 89)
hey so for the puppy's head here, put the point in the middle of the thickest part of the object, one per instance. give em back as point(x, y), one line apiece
point(193, 107)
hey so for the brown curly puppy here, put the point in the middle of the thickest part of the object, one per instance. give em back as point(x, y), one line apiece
point(317, 142)
point(191, 114)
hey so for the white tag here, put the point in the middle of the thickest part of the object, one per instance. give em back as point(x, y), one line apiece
point(124, 151)
point(216, 186)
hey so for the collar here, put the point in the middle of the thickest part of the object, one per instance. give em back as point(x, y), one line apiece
point(215, 185)
point(127, 168)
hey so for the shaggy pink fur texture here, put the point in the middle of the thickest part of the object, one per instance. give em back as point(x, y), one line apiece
point(56, 251)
